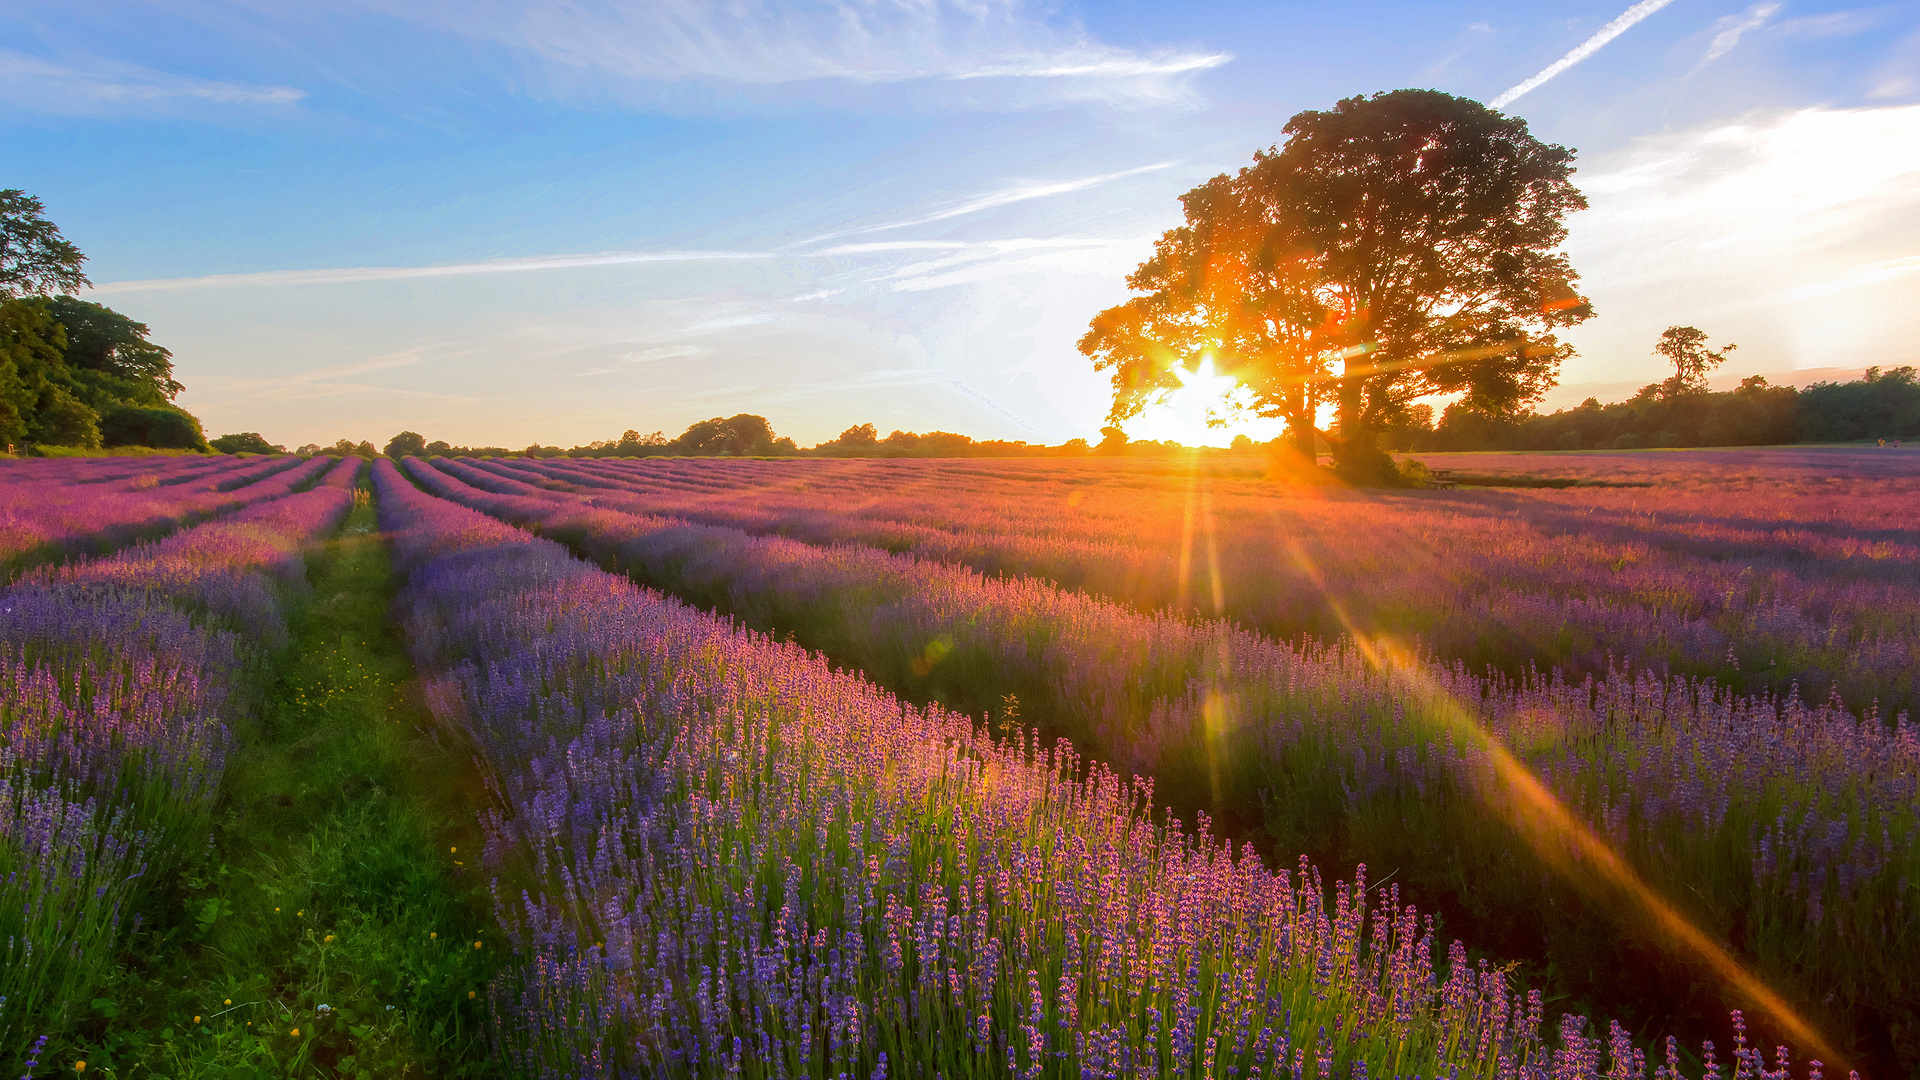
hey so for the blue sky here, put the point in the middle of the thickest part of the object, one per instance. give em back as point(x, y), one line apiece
point(552, 220)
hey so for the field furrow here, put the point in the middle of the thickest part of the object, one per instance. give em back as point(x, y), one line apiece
point(749, 863)
point(1786, 583)
point(47, 515)
point(1586, 822)
point(116, 733)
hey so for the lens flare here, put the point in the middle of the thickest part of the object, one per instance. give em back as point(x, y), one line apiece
point(1560, 837)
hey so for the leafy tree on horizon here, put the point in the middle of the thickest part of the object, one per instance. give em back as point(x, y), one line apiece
point(109, 356)
point(1686, 348)
point(1412, 237)
point(406, 444)
point(738, 435)
point(245, 442)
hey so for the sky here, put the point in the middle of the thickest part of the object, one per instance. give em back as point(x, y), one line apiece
point(500, 223)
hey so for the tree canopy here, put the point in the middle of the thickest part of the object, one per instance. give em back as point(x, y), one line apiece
point(246, 442)
point(74, 373)
point(35, 259)
point(1410, 237)
point(406, 444)
point(1686, 348)
point(736, 435)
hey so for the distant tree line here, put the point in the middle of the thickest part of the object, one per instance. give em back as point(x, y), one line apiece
point(1680, 411)
point(73, 373)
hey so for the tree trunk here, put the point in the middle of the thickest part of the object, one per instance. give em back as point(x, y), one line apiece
point(1304, 437)
point(1352, 436)
point(1356, 458)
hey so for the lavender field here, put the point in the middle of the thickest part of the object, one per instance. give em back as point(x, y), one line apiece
point(1594, 765)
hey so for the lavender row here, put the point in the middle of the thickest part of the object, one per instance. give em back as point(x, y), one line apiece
point(241, 567)
point(1820, 592)
point(1795, 822)
point(98, 470)
point(44, 520)
point(749, 864)
point(115, 701)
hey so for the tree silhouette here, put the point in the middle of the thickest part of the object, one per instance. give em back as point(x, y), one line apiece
point(406, 444)
point(1410, 237)
point(245, 442)
point(740, 434)
point(1230, 284)
point(1687, 348)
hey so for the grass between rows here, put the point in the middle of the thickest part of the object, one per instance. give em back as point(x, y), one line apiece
point(337, 923)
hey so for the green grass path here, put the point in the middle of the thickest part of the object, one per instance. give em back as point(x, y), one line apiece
point(330, 929)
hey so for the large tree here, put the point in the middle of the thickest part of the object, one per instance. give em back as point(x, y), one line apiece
point(109, 358)
point(74, 373)
point(35, 260)
point(738, 435)
point(1410, 237)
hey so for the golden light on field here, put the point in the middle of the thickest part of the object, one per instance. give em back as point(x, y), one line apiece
point(1562, 839)
point(1205, 395)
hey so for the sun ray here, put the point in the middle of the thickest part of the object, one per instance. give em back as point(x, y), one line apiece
point(1540, 817)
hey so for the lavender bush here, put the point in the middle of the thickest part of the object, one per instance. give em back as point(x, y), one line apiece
point(1788, 829)
point(722, 857)
point(56, 513)
point(114, 700)
point(1778, 570)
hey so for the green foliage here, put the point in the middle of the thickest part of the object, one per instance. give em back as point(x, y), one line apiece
point(116, 451)
point(34, 258)
point(1411, 235)
point(100, 384)
point(739, 435)
point(30, 344)
point(1880, 405)
point(74, 373)
point(64, 420)
point(406, 444)
point(246, 442)
point(342, 448)
point(158, 426)
point(328, 900)
point(1756, 414)
point(109, 359)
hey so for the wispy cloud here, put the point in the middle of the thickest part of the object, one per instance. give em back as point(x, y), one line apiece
point(30, 83)
point(991, 200)
point(997, 259)
point(1859, 277)
point(348, 275)
point(1790, 233)
point(1068, 67)
point(1580, 52)
point(230, 392)
point(639, 357)
point(771, 42)
point(1733, 27)
point(1022, 193)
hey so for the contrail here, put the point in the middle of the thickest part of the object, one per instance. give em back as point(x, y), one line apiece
point(401, 273)
point(1585, 49)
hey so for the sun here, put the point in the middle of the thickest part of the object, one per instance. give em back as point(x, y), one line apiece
point(1182, 415)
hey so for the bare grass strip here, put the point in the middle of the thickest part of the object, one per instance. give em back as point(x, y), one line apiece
point(325, 929)
point(114, 736)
